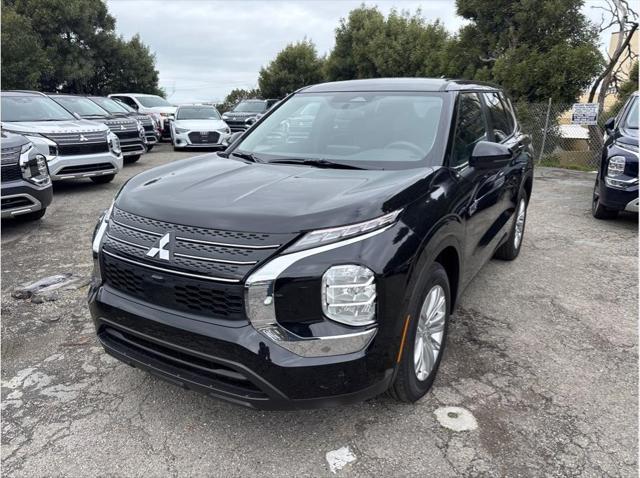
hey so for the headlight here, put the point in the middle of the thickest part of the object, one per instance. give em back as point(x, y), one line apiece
point(33, 166)
point(140, 129)
point(327, 236)
point(114, 144)
point(616, 166)
point(101, 227)
point(349, 295)
point(224, 129)
point(225, 116)
point(181, 130)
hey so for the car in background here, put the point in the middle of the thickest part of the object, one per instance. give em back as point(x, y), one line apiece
point(198, 126)
point(74, 148)
point(119, 109)
point(247, 112)
point(616, 186)
point(150, 104)
point(26, 184)
point(129, 131)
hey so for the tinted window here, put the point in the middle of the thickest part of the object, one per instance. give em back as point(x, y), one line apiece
point(251, 107)
point(110, 105)
point(470, 128)
point(127, 101)
point(81, 106)
point(32, 108)
point(376, 130)
point(197, 112)
point(501, 120)
point(631, 120)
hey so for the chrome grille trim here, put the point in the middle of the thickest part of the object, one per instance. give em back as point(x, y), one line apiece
point(133, 228)
point(171, 271)
point(220, 261)
point(222, 244)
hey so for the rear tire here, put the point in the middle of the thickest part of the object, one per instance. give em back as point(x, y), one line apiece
point(510, 249)
point(32, 216)
point(132, 159)
point(414, 377)
point(598, 210)
point(107, 178)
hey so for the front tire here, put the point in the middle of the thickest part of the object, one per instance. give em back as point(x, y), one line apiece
point(107, 178)
point(510, 249)
point(598, 210)
point(426, 336)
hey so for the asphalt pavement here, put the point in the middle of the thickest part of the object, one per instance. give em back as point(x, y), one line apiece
point(539, 377)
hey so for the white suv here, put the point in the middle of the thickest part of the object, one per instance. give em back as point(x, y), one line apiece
point(154, 105)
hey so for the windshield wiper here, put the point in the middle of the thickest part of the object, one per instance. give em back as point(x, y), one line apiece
point(318, 163)
point(246, 156)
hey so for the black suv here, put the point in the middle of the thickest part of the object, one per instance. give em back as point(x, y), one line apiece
point(26, 184)
point(616, 187)
point(323, 268)
point(246, 113)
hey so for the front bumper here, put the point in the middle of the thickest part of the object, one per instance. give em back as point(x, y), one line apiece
point(619, 199)
point(233, 363)
point(84, 166)
point(186, 140)
point(132, 147)
point(21, 197)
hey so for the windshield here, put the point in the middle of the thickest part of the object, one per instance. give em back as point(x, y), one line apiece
point(151, 101)
point(109, 105)
point(373, 130)
point(80, 105)
point(250, 107)
point(33, 108)
point(631, 121)
point(197, 113)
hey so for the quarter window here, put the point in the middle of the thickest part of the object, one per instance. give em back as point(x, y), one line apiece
point(501, 119)
point(470, 128)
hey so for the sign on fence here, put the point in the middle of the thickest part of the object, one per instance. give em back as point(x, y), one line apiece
point(584, 113)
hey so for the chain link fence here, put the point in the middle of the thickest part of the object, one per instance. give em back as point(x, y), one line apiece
point(557, 142)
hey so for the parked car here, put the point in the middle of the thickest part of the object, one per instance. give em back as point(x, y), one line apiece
point(129, 131)
point(118, 109)
point(285, 274)
point(198, 126)
point(247, 112)
point(616, 187)
point(150, 104)
point(74, 148)
point(26, 185)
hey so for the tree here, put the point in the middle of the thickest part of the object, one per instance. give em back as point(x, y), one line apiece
point(297, 65)
point(536, 49)
point(74, 45)
point(235, 96)
point(23, 61)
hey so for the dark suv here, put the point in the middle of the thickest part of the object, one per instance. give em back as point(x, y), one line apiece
point(246, 113)
point(318, 269)
point(616, 187)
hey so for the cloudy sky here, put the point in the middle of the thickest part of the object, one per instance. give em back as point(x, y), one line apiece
point(205, 48)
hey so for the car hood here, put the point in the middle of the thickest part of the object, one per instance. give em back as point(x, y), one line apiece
point(218, 193)
point(44, 127)
point(10, 140)
point(201, 125)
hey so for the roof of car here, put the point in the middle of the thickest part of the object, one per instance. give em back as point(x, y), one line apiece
point(22, 93)
point(131, 94)
point(399, 84)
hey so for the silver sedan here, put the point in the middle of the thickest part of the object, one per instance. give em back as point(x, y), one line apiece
point(198, 126)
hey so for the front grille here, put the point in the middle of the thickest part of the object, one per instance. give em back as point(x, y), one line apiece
point(85, 148)
point(10, 155)
point(85, 168)
point(12, 203)
point(10, 172)
point(78, 138)
point(127, 134)
point(210, 137)
point(236, 125)
point(208, 299)
point(211, 254)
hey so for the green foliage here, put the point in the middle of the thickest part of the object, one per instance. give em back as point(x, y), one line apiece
point(23, 60)
point(235, 96)
point(630, 85)
point(368, 45)
point(536, 49)
point(297, 65)
point(77, 41)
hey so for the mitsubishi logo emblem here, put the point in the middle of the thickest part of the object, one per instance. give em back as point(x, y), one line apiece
point(160, 248)
point(121, 127)
point(83, 138)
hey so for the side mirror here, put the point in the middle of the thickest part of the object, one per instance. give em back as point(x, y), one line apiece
point(609, 125)
point(487, 155)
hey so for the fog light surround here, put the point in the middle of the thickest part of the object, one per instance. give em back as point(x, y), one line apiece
point(616, 166)
point(349, 295)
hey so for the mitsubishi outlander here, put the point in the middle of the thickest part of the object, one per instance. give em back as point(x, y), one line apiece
point(318, 269)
